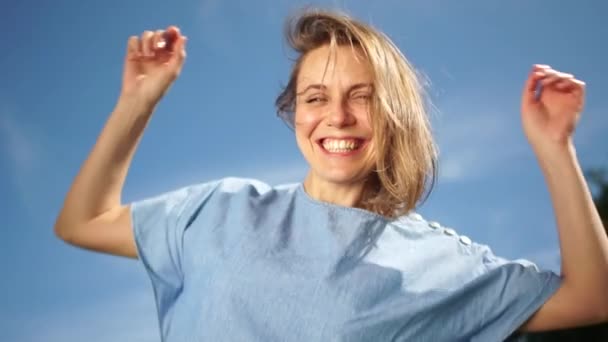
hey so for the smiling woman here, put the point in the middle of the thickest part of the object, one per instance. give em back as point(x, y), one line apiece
point(352, 87)
point(341, 256)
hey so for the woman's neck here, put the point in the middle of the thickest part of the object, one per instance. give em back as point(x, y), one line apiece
point(343, 194)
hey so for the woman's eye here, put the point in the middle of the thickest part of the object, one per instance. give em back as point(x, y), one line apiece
point(362, 97)
point(315, 99)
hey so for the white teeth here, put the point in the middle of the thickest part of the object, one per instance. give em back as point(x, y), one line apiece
point(337, 146)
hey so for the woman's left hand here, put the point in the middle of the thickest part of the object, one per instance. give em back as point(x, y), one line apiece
point(551, 105)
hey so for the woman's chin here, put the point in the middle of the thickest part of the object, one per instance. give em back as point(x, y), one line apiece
point(342, 177)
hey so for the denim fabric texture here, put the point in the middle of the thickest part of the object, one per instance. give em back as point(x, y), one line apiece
point(239, 260)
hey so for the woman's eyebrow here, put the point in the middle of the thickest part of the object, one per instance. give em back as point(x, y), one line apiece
point(319, 86)
point(312, 86)
point(359, 86)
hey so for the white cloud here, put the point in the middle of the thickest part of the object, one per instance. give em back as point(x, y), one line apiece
point(128, 317)
point(281, 173)
point(22, 150)
point(475, 143)
point(17, 145)
point(480, 141)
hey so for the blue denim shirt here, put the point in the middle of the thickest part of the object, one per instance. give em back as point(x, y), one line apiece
point(239, 260)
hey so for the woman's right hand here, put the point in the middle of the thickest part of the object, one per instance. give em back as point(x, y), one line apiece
point(93, 216)
point(152, 63)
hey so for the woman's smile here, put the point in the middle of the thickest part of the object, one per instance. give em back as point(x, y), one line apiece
point(342, 147)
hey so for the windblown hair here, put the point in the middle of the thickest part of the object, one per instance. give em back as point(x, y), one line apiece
point(406, 155)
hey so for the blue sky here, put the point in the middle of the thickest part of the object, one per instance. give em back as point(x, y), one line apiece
point(61, 68)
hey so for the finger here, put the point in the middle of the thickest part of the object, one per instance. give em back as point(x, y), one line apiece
point(564, 85)
point(541, 67)
point(179, 49)
point(133, 47)
point(146, 43)
point(570, 85)
point(171, 35)
point(532, 85)
point(578, 86)
point(158, 41)
point(555, 77)
point(534, 79)
point(578, 83)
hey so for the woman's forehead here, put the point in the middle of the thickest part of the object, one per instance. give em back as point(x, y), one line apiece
point(340, 65)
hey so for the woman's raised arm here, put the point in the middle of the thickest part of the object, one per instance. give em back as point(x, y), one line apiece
point(93, 216)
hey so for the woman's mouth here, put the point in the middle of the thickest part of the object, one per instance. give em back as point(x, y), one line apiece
point(342, 146)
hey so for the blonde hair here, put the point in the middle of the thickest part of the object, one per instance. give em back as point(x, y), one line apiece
point(406, 156)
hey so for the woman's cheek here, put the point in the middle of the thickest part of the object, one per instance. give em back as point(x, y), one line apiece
point(307, 120)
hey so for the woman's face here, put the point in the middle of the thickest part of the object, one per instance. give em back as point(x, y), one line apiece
point(332, 124)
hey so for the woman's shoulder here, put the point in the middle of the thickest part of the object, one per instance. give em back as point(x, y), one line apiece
point(440, 242)
point(223, 193)
point(444, 242)
point(226, 189)
point(434, 255)
point(414, 224)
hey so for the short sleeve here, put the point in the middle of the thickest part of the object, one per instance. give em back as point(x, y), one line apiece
point(159, 224)
point(511, 291)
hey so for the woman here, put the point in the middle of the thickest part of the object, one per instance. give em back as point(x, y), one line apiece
point(341, 256)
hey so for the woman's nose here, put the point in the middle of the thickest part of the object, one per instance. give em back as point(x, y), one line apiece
point(340, 116)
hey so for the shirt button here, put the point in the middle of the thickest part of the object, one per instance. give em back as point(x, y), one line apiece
point(449, 231)
point(434, 225)
point(416, 216)
point(465, 240)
